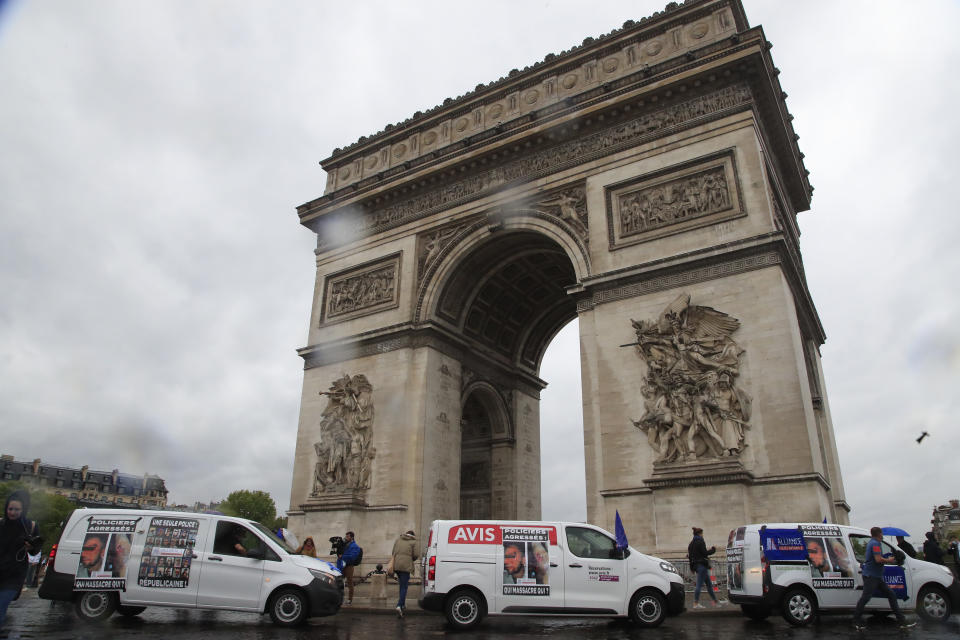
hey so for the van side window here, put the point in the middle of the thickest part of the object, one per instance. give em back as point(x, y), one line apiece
point(234, 539)
point(859, 544)
point(588, 543)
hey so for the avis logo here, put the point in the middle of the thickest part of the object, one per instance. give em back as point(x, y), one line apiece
point(474, 534)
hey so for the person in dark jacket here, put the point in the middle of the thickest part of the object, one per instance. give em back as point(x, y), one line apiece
point(931, 549)
point(18, 538)
point(906, 547)
point(698, 554)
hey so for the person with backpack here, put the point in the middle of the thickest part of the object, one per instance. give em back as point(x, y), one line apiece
point(18, 539)
point(352, 556)
point(402, 559)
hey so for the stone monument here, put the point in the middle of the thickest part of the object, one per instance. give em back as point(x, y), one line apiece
point(646, 182)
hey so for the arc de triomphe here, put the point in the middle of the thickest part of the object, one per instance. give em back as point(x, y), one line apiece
point(646, 182)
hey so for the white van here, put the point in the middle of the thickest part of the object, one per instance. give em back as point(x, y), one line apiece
point(127, 560)
point(800, 569)
point(475, 568)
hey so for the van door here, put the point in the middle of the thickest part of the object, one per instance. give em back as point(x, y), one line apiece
point(231, 580)
point(166, 566)
point(895, 576)
point(531, 580)
point(594, 578)
point(832, 568)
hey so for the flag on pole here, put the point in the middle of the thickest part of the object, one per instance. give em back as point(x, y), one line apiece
point(620, 533)
point(824, 519)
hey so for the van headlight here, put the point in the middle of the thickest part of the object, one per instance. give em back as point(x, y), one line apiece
point(326, 577)
point(666, 566)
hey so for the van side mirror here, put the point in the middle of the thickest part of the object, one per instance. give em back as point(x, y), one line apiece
point(619, 554)
point(256, 553)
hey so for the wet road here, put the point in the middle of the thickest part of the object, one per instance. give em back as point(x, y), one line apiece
point(34, 618)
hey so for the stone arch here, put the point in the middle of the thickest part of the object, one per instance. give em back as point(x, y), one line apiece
point(656, 203)
point(529, 262)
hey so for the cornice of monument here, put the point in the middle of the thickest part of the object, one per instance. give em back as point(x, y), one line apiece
point(742, 56)
point(718, 261)
point(674, 14)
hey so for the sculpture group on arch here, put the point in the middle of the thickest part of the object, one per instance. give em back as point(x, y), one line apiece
point(694, 406)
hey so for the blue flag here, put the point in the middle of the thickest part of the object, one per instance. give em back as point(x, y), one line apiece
point(824, 519)
point(620, 533)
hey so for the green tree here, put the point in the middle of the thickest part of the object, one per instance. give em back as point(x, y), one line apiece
point(252, 505)
point(49, 511)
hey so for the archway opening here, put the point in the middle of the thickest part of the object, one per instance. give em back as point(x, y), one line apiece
point(508, 299)
point(475, 461)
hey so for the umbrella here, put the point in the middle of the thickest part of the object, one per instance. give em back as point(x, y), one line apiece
point(895, 531)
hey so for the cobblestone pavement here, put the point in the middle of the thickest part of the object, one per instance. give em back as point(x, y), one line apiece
point(31, 617)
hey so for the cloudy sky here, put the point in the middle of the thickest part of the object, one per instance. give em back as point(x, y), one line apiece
point(155, 282)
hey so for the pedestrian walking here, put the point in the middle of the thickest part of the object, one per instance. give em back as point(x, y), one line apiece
point(873, 581)
point(402, 560)
point(931, 549)
point(18, 539)
point(348, 560)
point(698, 555)
point(954, 549)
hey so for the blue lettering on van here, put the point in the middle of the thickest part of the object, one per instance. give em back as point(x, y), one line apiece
point(783, 545)
point(897, 581)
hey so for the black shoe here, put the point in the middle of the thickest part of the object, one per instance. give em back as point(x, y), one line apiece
point(859, 626)
point(907, 625)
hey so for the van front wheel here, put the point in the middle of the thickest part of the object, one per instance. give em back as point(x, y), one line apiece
point(932, 604)
point(94, 606)
point(648, 608)
point(464, 609)
point(288, 608)
point(799, 607)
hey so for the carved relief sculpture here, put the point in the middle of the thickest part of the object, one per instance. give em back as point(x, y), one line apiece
point(344, 454)
point(690, 197)
point(367, 289)
point(694, 408)
point(570, 206)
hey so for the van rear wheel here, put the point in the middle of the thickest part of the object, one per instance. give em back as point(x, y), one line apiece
point(932, 604)
point(648, 608)
point(799, 607)
point(464, 609)
point(94, 606)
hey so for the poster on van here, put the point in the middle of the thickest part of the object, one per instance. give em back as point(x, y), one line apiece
point(167, 553)
point(104, 555)
point(526, 561)
point(735, 568)
point(783, 545)
point(831, 565)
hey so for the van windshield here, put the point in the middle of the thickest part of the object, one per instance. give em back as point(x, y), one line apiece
point(273, 536)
